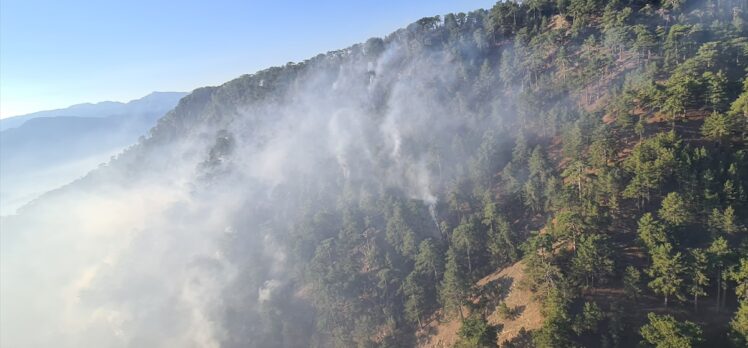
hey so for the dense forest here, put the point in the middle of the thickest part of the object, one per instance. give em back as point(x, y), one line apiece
point(596, 149)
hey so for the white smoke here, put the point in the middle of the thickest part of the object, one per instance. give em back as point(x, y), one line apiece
point(266, 291)
point(143, 253)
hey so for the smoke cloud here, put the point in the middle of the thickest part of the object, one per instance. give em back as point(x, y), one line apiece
point(178, 241)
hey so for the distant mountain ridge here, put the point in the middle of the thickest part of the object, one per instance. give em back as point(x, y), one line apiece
point(153, 102)
point(44, 150)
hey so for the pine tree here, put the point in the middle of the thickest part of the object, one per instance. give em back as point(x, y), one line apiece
point(714, 222)
point(663, 331)
point(716, 86)
point(476, 333)
point(652, 162)
point(645, 41)
point(651, 232)
point(739, 110)
point(428, 260)
point(573, 142)
point(521, 150)
point(631, 281)
point(589, 319)
point(592, 260)
point(576, 177)
point(569, 226)
point(415, 298)
point(730, 223)
point(718, 127)
point(602, 149)
point(539, 173)
point(501, 243)
point(697, 273)
point(739, 274)
point(719, 253)
point(679, 93)
point(667, 272)
point(455, 284)
point(739, 324)
point(466, 238)
point(674, 210)
point(399, 233)
point(555, 331)
point(542, 273)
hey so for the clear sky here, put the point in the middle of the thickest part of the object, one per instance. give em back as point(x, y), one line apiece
point(57, 53)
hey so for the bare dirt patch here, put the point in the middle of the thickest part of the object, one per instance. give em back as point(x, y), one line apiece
point(500, 286)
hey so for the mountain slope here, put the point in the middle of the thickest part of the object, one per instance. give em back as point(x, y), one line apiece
point(594, 149)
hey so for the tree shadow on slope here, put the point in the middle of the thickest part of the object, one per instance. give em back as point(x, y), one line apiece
point(490, 295)
point(522, 340)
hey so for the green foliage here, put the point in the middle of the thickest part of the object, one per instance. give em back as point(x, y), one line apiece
point(592, 261)
point(573, 141)
point(535, 186)
point(475, 332)
point(501, 240)
point(676, 43)
point(543, 274)
point(652, 232)
point(663, 331)
point(739, 274)
point(576, 176)
point(645, 40)
point(631, 282)
point(739, 110)
point(569, 226)
point(400, 234)
point(651, 163)
point(666, 272)
point(718, 127)
point(467, 239)
point(739, 324)
point(602, 150)
point(429, 259)
point(679, 92)
point(455, 285)
point(505, 18)
point(716, 90)
point(589, 319)
point(729, 223)
point(674, 210)
point(719, 253)
point(556, 327)
point(697, 274)
point(415, 295)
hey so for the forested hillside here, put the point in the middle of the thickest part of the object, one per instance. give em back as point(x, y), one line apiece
point(581, 161)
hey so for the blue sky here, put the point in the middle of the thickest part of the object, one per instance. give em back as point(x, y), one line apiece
point(57, 53)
